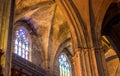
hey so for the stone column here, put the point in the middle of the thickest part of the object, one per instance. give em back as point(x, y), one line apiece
point(101, 63)
point(1, 51)
point(84, 62)
point(94, 62)
point(1, 20)
point(6, 34)
point(77, 63)
point(88, 61)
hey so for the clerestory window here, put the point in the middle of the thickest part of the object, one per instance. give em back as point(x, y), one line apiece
point(22, 43)
point(64, 65)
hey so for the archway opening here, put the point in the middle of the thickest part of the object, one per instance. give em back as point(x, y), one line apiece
point(111, 38)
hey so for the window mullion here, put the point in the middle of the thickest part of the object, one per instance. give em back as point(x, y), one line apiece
point(21, 43)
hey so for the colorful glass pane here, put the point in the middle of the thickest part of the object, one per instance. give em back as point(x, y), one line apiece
point(64, 65)
point(21, 43)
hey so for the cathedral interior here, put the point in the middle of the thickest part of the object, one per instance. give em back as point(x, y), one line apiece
point(59, 38)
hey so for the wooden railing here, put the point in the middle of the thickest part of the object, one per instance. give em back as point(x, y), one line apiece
point(27, 66)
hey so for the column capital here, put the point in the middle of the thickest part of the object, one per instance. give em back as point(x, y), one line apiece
point(98, 49)
point(77, 62)
point(81, 49)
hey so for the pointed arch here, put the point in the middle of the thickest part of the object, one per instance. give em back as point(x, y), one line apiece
point(63, 63)
point(75, 23)
point(99, 19)
point(22, 41)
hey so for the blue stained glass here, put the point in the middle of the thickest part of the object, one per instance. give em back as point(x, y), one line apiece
point(21, 43)
point(64, 58)
point(19, 38)
point(26, 48)
point(64, 65)
point(22, 33)
point(19, 52)
point(23, 36)
point(23, 46)
point(26, 42)
point(59, 60)
point(26, 55)
point(19, 49)
point(21, 29)
point(15, 47)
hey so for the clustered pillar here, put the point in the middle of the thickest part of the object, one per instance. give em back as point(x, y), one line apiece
point(84, 62)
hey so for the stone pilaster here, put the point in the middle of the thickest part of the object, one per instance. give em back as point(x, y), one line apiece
point(6, 34)
point(101, 63)
point(94, 62)
point(77, 63)
point(87, 62)
point(84, 62)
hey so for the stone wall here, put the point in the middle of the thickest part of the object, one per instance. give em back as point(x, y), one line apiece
point(37, 53)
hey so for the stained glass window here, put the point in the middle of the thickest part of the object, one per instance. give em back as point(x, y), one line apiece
point(64, 66)
point(22, 43)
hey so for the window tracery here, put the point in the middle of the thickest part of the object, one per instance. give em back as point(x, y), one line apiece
point(64, 65)
point(22, 43)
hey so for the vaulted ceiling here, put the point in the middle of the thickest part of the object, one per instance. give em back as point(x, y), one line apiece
point(48, 20)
